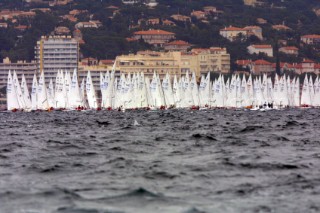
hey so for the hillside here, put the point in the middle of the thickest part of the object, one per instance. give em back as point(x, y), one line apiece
point(119, 21)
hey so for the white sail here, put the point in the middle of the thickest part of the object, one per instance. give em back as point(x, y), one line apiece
point(283, 92)
point(117, 94)
point(50, 95)
point(187, 91)
point(91, 93)
point(67, 88)
point(18, 90)
point(270, 94)
point(103, 90)
point(213, 94)
point(155, 93)
point(167, 90)
point(226, 91)
point(60, 91)
point(257, 93)
point(128, 90)
point(110, 80)
point(232, 96)
point(12, 99)
point(264, 88)
point(244, 93)
point(143, 91)
point(305, 94)
point(114, 94)
point(250, 91)
point(220, 92)
point(194, 90)
point(82, 94)
point(204, 91)
point(176, 92)
point(34, 93)
point(311, 90)
point(25, 93)
point(296, 93)
point(75, 99)
point(316, 98)
point(42, 94)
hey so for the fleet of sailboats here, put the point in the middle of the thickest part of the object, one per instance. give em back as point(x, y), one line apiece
point(134, 91)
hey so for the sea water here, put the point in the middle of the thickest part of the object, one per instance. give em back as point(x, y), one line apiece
point(176, 161)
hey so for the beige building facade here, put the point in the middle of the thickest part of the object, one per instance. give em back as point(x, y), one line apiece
point(201, 61)
point(21, 67)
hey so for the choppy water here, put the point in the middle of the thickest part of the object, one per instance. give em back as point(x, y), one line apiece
point(168, 161)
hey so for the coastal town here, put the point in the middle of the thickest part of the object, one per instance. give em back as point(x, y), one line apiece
point(151, 44)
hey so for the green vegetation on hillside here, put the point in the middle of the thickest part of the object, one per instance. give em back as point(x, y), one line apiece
point(110, 39)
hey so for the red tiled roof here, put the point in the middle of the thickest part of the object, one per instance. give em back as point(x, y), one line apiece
point(310, 36)
point(197, 50)
point(261, 62)
point(87, 23)
point(107, 61)
point(251, 27)
point(131, 39)
point(297, 66)
point(282, 65)
point(113, 7)
point(307, 61)
point(280, 27)
point(198, 12)
point(243, 62)
point(178, 42)
point(153, 32)
point(262, 46)
point(232, 29)
point(21, 27)
point(290, 48)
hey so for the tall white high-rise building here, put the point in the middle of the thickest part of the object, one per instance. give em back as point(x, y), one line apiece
point(55, 53)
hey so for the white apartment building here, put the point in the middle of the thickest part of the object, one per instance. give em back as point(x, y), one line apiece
point(55, 53)
point(256, 49)
point(21, 67)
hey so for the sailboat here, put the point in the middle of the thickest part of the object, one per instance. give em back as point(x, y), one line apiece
point(75, 99)
point(50, 94)
point(194, 90)
point(103, 89)
point(155, 95)
point(204, 91)
point(91, 94)
point(316, 98)
point(18, 90)
point(305, 94)
point(34, 93)
point(42, 101)
point(60, 101)
point(167, 90)
point(12, 99)
point(25, 93)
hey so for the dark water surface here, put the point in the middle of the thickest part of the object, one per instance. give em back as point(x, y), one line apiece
point(169, 161)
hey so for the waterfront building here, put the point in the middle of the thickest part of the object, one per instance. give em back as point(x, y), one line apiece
point(261, 66)
point(178, 45)
point(21, 67)
point(265, 48)
point(310, 39)
point(290, 50)
point(55, 53)
point(154, 37)
point(200, 61)
point(231, 33)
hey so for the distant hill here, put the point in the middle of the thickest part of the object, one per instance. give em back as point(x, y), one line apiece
point(119, 21)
